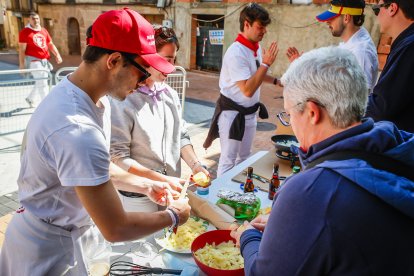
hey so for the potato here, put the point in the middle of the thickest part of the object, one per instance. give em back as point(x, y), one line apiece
point(201, 179)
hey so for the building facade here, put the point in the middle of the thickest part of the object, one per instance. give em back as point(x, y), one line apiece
point(205, 28)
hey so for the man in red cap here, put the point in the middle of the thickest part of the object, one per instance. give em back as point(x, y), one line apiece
point(66, 182)
point(345, 19)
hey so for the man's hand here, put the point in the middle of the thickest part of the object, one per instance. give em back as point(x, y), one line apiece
point(269, 55)
point(237, 231)
point(292, 53)
point(58, 59)
point(180, 207)
point(158, 192)
point(260, 222)
point(175, 182)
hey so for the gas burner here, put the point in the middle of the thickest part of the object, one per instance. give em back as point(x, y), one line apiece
point(287, 156)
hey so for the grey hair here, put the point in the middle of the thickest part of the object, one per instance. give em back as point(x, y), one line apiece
point(332, 78)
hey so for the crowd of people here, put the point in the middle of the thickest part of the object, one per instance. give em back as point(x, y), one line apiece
point(107, 164)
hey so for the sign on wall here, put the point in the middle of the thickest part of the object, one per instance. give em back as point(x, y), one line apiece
point(216, 37)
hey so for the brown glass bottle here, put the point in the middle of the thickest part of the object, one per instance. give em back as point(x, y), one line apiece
point(274, 183)
point(248, 185)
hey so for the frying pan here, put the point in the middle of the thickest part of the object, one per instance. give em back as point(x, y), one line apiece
point(280, 142)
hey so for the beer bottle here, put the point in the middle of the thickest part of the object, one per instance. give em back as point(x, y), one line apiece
point(295, 170)
point(249, 186)
point(274, 183)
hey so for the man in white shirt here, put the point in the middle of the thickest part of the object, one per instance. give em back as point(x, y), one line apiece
point(242, 73)
point(345, 19)
point(66, 182)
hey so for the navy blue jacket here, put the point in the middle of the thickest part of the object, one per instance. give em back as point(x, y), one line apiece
point(393, 96)
point(341, 217)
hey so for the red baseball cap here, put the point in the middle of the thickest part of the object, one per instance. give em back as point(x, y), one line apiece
point(127, 31)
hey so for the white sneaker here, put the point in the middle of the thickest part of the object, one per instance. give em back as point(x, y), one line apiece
point(29, 102)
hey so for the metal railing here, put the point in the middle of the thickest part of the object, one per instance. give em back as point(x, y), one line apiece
point(177, 80)
point(15, 86)
point(63, 72)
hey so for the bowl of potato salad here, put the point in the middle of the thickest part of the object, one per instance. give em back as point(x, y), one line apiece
point(215, 252)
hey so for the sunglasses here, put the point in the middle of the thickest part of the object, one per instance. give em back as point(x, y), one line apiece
point(377, 7)
point(165, 33)
point(140, 68)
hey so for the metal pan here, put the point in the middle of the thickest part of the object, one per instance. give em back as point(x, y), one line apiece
point(282, 142)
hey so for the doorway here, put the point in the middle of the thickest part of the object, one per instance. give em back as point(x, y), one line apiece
point(73, 37)
point(209, 45)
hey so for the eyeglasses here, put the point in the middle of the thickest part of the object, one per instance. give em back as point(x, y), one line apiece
point(140, 68)
point(377, 7)
point(284, 118)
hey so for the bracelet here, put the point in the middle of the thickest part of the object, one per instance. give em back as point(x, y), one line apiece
point(174, 222)
point(174, 217)
point(275, 81)
point(265, 65)
point(194, 164)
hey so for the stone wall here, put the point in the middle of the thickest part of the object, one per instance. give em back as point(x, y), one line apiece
point(85, 14)
point(292, 25)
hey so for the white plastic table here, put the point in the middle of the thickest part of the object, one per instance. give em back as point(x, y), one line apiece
point(125, 250)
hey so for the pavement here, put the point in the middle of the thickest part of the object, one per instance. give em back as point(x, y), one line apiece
point(201, 96)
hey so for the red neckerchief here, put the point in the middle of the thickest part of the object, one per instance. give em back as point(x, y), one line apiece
point(244, 41)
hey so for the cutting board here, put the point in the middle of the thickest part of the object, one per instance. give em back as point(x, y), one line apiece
point(264, 168)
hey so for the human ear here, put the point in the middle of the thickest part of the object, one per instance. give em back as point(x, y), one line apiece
point(315, 112)
point(393, 8)
point(113, 59)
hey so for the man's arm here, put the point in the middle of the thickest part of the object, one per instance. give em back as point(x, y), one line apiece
point(248, 87)
point(105, 208)
point(393, 92)
point(130, 182)
point(22, 55)
point(55, 52)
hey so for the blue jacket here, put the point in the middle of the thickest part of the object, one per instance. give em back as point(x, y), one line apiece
point(393, 96)
point(341, 217)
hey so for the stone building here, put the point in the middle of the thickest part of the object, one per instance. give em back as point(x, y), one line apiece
point(205, 27)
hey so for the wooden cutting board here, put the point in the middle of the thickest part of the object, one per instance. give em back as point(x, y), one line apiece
point(264, 168)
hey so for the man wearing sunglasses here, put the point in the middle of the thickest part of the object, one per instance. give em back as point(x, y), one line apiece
point(345, 18)
point(66, 182)
point(393, 96)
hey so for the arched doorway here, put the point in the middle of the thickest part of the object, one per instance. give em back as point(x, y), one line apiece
point(73, 37)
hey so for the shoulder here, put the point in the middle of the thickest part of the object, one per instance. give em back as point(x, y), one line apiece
point(25, 31)
point(309, 185)
point(235, 49)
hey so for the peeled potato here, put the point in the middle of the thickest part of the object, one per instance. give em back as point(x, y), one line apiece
point(201, 179)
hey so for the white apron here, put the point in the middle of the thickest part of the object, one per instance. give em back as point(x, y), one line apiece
point(34, 247)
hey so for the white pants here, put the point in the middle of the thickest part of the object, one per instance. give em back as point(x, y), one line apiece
point(33, 247)
point(41, 87)
point(234, 152)
point(138, 204)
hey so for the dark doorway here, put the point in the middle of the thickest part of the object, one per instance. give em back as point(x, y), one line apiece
point(73, 37)
point(210, 36)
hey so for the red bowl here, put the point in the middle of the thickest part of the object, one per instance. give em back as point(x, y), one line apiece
point(216, 236)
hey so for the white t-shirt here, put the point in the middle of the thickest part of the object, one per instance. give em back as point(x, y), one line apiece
point(362, 46)
point(68, 140)
point(239, 63)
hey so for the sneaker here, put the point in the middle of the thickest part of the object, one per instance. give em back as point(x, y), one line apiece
point(29, 102)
